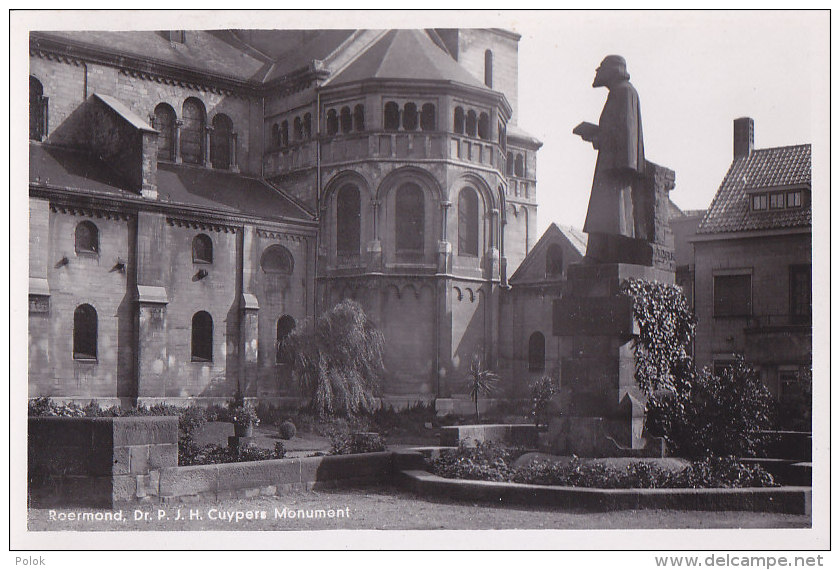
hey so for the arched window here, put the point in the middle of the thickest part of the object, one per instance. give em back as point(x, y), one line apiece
point(307, 125)
point(488, 68)
point(192, 131)
point(458, 126)
point(346, 120)
point(298, 129)
point(392, 116)
point(484, 126)
point(275, 135)
point(410, 117)
point(410, 218)
point(332, 122)
point(471, 123)
point(277, 259)
point(284, 134)
point(519, 166)
point(359, 117)
point(509, 164)
point(202, 337)
point(554, 261)
point(348, 220)
point(85, 332)
point(536, 352)
point(467, 222)
point(202, 249)
point(38, 110)
point(285, 325)
point(221, 139)
point(165, 126)
point(87, 238)
point(428, 118)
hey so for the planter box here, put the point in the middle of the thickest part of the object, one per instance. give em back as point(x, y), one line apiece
point(523, 435)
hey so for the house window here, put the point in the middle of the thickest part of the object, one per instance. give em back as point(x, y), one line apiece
point(472, 123)
point(346, 120)
point(38, 110)
point(332, 122)
point(458, 125)
point(519, 166)
point(392, 116)
point(202, 249)
point(202, 337)
point(275, 135)
point(536, 352)
point(84, 333)
point(298, 129)
point(285, 325)
point(348, 220)
point(427, 117)
point(794, 199)
point(554, 261)
point(488, 68)
point(87, 238)
point(277, 259)
point(777, 201)
point(410, 218)
point(409, 118)
point(220, 142)
point(359, 118)
point(307, 125)
point(759, 202)
point(165, 126)
point(284, 134)
point(468, 222)
point(800, 293)
point(484, 126)
point(509, 164)
point(192, 131)
point(732, 295)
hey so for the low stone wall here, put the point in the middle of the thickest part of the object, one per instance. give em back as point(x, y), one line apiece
point(793, 500)
point(98, 461)
point(525, 435)
point(272, 477)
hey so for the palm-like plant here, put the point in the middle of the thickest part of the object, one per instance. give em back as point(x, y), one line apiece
point(480, 382)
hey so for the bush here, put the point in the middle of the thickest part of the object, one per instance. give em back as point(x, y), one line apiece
point(542, 390)
point(338, 361)
point(713, 415)
point(215, 454)
point(287, 430)
point(343, 443)
point(487, 461)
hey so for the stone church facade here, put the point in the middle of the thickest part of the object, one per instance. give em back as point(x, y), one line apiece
point(195, 195)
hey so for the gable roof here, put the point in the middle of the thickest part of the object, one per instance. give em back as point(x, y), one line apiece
point(405, 54)
point(123, 111)
point(554, 233)
point(762, 169)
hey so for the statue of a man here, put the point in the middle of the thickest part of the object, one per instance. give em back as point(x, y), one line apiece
point(621, 155)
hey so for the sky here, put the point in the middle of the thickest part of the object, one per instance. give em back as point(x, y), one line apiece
point(695, 72)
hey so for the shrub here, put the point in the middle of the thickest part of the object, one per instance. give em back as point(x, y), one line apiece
point(287, 430)
point(487, 461)
point(480, 382)
point(542, 390)
point(338, 361)
point(713, 415)
point(343, 443)
point(279, 450)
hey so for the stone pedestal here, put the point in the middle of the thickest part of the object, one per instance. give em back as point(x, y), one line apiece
point(601, 408)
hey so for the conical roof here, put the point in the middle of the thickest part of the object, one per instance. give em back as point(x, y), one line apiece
point(405, 54)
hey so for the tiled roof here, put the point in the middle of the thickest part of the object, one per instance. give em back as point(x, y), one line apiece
point(406, 54)
point(762, 169)
point(222, 191)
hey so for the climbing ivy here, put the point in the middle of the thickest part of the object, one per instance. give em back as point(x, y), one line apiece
point(666, 330)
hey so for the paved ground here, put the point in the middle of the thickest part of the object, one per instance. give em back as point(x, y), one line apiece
point(383, 508)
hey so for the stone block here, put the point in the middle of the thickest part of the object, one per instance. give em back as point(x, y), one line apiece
point(145, 430)
point(139, 459)
point(163, 455)
point(254, 473)
point(124, 488)
point(121, 463)
point(593, 316)
point(177, 481)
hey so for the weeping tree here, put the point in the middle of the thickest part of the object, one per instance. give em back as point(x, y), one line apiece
point(337, 359)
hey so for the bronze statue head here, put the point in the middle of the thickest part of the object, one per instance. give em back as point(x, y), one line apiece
point(613, 68)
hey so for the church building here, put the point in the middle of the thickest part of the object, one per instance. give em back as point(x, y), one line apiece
point(196, 195)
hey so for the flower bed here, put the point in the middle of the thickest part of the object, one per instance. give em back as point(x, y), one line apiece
point(490, 462)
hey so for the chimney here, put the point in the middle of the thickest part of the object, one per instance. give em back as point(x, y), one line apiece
point(743, 139)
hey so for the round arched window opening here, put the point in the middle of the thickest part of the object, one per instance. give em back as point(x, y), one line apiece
point(87, 238)
point(285, 325)
point(277, 260)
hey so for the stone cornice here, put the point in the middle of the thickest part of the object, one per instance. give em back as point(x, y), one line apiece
point(201, 225)
point(91, 212)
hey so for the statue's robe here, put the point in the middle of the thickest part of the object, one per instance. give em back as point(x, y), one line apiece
point(620, 164)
